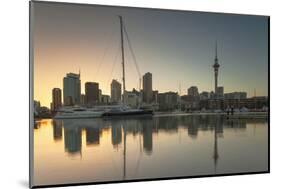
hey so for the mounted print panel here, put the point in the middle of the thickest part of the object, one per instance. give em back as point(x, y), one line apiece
point(121, 94)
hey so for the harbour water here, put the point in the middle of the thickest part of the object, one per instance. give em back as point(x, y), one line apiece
point(95, 150)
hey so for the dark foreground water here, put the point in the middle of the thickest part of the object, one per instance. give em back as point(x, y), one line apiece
point(92, 150)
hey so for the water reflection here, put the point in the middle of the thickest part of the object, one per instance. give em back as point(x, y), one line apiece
point(145, 127)
point(57, 130)
point(116, 135)
point(72, 138)
point(216, 153)
point(130, 137)
point(92, 136)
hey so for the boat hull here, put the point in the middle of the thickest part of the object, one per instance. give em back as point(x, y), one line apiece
point(77, 116)
point(129, 113)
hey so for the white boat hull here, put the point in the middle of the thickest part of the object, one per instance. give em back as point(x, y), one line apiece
point(63, 116)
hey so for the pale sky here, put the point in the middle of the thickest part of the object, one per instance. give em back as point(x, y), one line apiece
point(177, 47)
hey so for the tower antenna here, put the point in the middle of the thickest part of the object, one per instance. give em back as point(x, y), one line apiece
point(216, 69)
point(216, 50)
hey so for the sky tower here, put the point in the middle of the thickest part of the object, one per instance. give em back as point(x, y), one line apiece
point(216, 69)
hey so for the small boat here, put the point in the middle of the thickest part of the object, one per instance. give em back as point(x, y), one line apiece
point(78, 112)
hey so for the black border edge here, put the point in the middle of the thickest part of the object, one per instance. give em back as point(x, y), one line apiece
point(31, 99)
point(31, 118)
point(150, 179)
point(146, 8)
point(268, 80)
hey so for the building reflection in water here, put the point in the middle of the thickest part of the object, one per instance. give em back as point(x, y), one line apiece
point(147, 128)
point(57, 130)
point(36, 124)
point(217, 130)
point(72, 138)
point(149, 143)
point(92, 136)
point(144, 127)
point(39, 123)
point(193, 123)
point(116, 134)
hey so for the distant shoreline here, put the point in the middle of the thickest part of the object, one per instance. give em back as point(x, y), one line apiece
point(237, 115)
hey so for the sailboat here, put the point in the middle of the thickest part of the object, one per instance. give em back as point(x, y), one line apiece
point(123, 109)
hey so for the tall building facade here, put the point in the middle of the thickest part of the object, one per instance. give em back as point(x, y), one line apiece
point(82, 99)
point(115, 91)
point(131, 99)
point(204, 95)
point(147, 87)
point(193, 91)
point(71, 89)
point(91, 93)
point(105, 99)
point(155, 96)
point(167, 101)
point(220, 92)
point(100, 95)
point(235, 95)
point(56, 99)
point(216, 70)
point(36, 107)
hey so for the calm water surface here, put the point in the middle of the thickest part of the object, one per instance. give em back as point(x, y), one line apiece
point(92, 150)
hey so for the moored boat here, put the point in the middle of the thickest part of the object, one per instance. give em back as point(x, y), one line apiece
point(78, 112)
point(126, 111)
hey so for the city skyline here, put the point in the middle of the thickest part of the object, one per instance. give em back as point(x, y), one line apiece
point(175, 57)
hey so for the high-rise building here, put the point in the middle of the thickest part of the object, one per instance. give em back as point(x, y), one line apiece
point(216, 70)
point(36, 107)
point(220, 92)
point(155, 96)
point(105, 99)
point(193, 91)
point(131, 99)
point(82, 99)
point(235, 95)
point(91, 93)
point(147, 87)
point(100, 95)
point(115, 91)
point(168, 101)
point(56, 99)
point(204, 95)
point(71, 89)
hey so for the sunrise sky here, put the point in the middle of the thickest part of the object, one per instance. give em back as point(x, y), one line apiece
point(177, 47)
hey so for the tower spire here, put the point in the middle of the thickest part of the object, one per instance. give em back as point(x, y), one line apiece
point(216, 68)
point(216, 51)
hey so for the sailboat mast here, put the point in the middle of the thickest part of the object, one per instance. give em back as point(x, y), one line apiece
point(122, 51)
